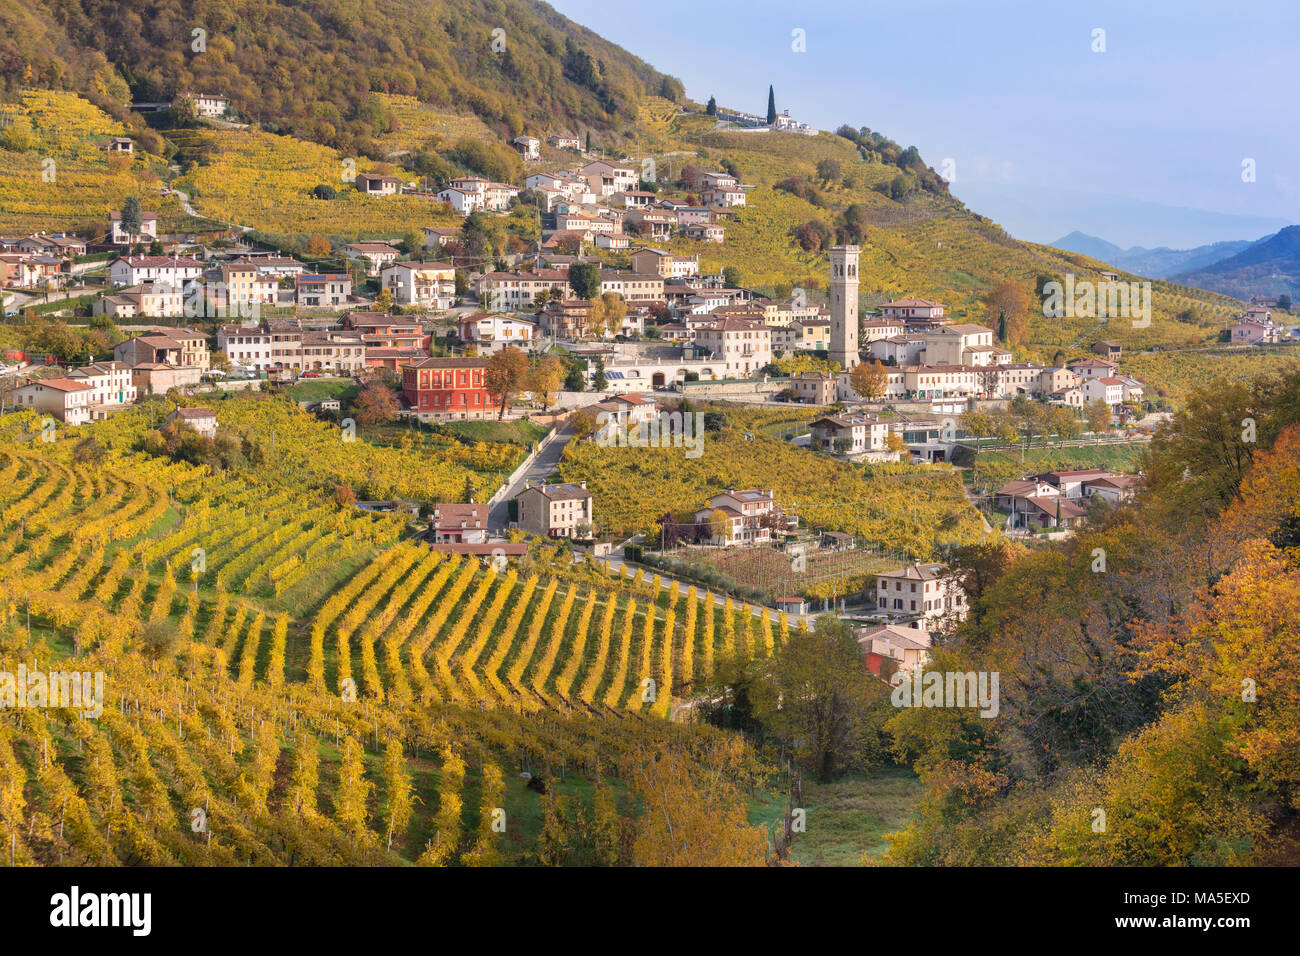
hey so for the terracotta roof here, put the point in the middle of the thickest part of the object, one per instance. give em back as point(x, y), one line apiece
point(450, 517)
point(907, 638)
point(1049, 504)
point(157, 262)
point(63, 384)
point(454, 361)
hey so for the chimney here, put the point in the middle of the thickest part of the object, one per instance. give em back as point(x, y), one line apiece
point(583, 485)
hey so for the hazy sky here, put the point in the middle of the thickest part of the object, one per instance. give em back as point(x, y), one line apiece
point(1014, 94)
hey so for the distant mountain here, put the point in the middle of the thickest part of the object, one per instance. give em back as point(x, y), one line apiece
point(1158, 263)
point(1092, 246)
point(1038, 213)
point(1268, 267)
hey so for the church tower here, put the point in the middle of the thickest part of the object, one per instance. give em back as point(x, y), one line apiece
point(844, 306)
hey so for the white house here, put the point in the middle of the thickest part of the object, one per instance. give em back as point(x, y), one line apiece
point(461, 200)
point(529, 147)
point(1093, 368)
point(850, 434)
point(724, 196)
point(148, 229)
point(913, 310)
point(1108, 390)
point(206, 105)
point(169, 270)
point(111, 383)
point(746, 513)
point(606, 178)
point(492, 331)
point(380, 254)
point(428, 285)
point(373, 184)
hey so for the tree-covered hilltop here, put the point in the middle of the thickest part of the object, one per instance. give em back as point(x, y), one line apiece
point(308, 68)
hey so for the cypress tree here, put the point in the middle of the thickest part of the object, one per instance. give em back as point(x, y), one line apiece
point(771, 106)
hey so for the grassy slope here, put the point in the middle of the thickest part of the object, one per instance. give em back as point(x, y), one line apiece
point(849, 819)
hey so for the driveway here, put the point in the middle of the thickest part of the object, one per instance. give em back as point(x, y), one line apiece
point(542, 467)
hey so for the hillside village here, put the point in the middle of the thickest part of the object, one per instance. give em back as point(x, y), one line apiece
point(539, 450)
point(637, 324)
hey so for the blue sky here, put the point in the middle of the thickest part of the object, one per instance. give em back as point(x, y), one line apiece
point(1135, 144)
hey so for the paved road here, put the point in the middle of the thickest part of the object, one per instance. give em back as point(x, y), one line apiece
point(546, 463)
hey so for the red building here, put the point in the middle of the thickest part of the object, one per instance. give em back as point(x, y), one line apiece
point(448, 388)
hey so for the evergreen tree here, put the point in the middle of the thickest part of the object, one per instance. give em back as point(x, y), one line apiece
point(1002, 327)
point(131, 222)
point(771, 106)
point(712, 108)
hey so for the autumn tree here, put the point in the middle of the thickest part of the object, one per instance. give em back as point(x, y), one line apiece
point(492, 820)
point(1009, 300)
point(978, 423)
point(829, 170)
point(1098, 415)
point(719, 524)
point(545, 378)
point(869, 380)
point(88, 451)
point(815, 697)
point(376, 404)
point(606, 314)
point(506, 376)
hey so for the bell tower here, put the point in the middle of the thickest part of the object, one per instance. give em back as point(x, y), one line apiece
point(844, 306)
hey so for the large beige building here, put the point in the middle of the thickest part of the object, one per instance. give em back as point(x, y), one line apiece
point(62, 398)
point(960, 345)
point(184, 348)
point(743, 346)
point(557, 511)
